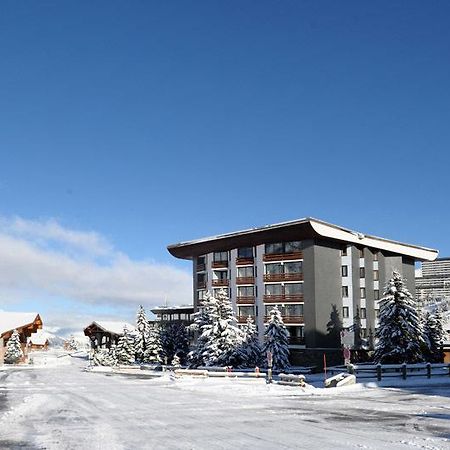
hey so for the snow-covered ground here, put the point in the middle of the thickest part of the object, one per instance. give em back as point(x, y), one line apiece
point(56, 405)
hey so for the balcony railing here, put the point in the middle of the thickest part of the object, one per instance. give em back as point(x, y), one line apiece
point(200, 267)
point(244, 261)
point(220, 282)
point(296, 340)
point(245, 280)
point(283, 298)
point(282, 256)
point(288, 319)
point(243, 319)
point(248, 300)
point(219, 264)
point(298, 276)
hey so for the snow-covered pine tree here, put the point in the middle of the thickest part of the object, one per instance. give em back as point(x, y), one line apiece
point(250, 351)
point(174, 341)
point(102, 357)
point(152, 353)
point(176, 362)
point(13, 351)
point(399, 334)
point(203, 318)
point(433, 334)
point(143, 330)
point(72, 344)
point(276, 340)
point(125, 351)
point(222, 337)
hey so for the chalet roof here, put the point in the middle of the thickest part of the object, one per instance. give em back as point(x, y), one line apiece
point(113, 327)
point(307, 228)
point(12, 320)
point(173, 309)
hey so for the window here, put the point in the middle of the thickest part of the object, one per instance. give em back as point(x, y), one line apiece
point(220, 256)
point(376, 294)
point(363, 313)
point(344, 251)
point(286, 310)
point(377, 313)
point(274, 289)
point(375, 256)
point(345, 312)
point(245, 291)
point(201, 278)
point(201, 260)
point(376, 275)
point(245, 252)
point(344, 291)
point(245, 272)
point(362, 292)
point(361, 253)
point(283, 247)
point(220, 275)
point(201, 294)
point(344, 270)
point(362, 272)
point(293, 267)
point(272, 269)
point(293, 288)
point(364, 332)
point(245, 311)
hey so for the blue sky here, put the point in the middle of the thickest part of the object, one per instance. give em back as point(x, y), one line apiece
point(146, 123)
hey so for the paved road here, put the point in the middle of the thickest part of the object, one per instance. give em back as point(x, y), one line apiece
point(65, 408)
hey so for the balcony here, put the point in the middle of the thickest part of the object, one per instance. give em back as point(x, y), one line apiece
point(249, 300)
point(288, 319)
point(282, 256)
point(201, 284)
point(200, 267)
point(219, 264)
point(283, 298)
point(283, 276)
point(245, 280)
point(243, 319)
point(244, 261)
point(220, 282)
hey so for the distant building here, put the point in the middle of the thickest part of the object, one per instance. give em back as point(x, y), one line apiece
point(308, 268)
point(38, 341)
point(174, 314)
point(433, 281)
point(104, 333)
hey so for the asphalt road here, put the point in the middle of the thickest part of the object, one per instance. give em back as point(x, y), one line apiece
point(65, 408)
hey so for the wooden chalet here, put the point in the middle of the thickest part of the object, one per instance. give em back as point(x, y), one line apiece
point(25, 323)
point(38, 341)
point(103, 334)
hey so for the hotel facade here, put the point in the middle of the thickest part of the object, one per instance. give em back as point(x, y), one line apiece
point(309, 268)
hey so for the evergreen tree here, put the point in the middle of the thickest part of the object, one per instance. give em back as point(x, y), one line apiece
point(153, 351)
point(203, 318)
point(276, 340)
point(13, 351)
point(176, 362)
point(143, 330)
point(174, 341)
point(222, 336)
point(433, 334)
point(125, 351)
point(399, 333)
point(72, 344)
point(250, 351)
point(103, 357)
point(334, 328)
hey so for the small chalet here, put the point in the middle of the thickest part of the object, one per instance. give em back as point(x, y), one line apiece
point(174, 314)
point(25, 323)
point(104, 333)
point(38, 341)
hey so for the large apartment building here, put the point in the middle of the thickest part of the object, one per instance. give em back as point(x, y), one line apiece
point(433, 280)
point(308, 268)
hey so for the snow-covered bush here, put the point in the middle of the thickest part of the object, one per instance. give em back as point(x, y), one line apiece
point(13, 351)
point(176, 362)
point(276, 340)
point(399, 334)
point(104, 357)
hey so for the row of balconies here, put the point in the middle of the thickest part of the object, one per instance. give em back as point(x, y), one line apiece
point(272, 277)
point(248, 261)
point(282, 298)
point(286, 319)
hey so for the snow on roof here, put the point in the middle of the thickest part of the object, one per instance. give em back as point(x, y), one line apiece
point(12, 320)
point(39, 338)
point(114, 327)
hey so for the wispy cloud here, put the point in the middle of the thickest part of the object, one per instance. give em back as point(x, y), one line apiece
point(43, 258)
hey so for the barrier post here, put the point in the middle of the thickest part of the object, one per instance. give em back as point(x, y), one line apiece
point(404, 371)
point(428, 370)
point(379, 372)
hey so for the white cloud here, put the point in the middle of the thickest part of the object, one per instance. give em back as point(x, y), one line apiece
point(42, 258)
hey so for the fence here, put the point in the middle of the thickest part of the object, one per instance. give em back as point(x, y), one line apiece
point(380, 371)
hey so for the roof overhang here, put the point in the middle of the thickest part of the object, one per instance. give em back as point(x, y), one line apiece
point(296, 230)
